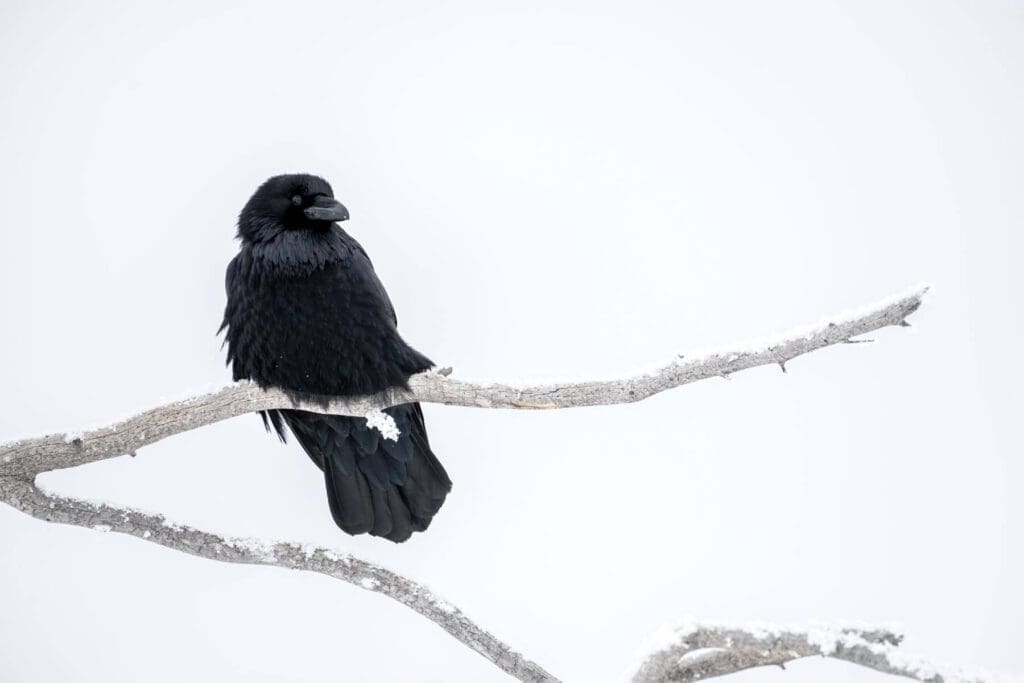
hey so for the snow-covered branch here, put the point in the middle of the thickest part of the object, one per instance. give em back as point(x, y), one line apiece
point(50, 507)
point(29, 457)
point(694, 651)
point(21, 461)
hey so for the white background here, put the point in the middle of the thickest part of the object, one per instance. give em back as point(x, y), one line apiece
point(546, 189)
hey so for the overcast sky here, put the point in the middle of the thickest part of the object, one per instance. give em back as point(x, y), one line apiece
point(546, 189)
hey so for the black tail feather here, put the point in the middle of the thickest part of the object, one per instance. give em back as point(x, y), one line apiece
point(349, 499)
point(374, 485)
point(272, 421)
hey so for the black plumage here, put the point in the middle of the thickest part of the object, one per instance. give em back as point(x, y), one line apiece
point(306, 313)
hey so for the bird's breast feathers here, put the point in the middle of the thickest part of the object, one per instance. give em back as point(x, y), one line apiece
point(328, 330)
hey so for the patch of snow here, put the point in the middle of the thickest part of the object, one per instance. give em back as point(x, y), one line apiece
point(335, 557)
point(827, 638)
point(124, 510)
point(662, 638)
point(700, 653)
point(445, 607)
point(383, 423)
point(72, 437)
point(147, 533)
point(369, 583)
point(764, 343)
point(263, 549)
point(926, 670)
point(101, 527)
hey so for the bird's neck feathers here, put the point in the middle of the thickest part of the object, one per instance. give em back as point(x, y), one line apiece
point(294, 253)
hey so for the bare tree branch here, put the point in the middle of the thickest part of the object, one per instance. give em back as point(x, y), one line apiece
point(21, 461)
point(694, 652)
point(31, 456)
point(28, 498)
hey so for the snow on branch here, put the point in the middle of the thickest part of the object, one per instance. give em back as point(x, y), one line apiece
point(694, 651)
point(30, 499)
point(29, 457)
point(21, 461)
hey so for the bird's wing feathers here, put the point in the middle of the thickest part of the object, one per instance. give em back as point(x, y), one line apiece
point(361, 261)
point(375, 485)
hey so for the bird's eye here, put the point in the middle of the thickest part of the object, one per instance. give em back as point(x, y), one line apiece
point(297, 200)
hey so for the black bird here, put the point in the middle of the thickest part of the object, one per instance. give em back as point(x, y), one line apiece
point(306, 313)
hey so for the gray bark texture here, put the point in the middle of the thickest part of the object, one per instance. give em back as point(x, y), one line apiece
point(21, 461)
point(28, 457)
point(698, 651)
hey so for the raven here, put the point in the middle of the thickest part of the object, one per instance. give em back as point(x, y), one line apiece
point(306, 313)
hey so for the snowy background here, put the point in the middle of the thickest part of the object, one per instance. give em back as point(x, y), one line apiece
point(546, 189)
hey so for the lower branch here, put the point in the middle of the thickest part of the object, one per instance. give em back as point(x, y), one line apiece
point(693, 652)
point(28, 498)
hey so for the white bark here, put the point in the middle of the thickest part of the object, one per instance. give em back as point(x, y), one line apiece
point(21, 461)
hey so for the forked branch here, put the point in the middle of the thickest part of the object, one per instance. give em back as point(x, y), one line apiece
point(21, 461)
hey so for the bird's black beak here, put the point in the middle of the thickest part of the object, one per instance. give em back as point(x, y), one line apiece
point(326, 209)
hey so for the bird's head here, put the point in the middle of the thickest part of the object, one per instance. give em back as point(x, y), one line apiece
point(288, 203)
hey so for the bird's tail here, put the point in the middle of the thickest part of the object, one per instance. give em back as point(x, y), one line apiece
point(375, 485)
